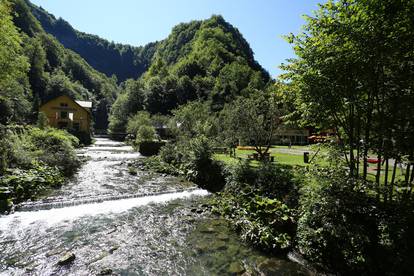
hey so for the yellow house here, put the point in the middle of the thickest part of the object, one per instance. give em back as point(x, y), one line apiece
point(64, 112)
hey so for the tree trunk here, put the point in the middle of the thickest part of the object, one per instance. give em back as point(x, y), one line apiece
point(394, 171)
point(386, 178)
point(378, 175)
point(407, 177)
point(351, 142)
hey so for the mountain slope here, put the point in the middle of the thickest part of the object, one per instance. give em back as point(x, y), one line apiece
point(205, 60)
point(123, 61)
point(55, 70)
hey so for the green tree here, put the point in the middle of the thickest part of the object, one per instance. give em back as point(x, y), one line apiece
point(252, 121)
point(14, 66)
point(192, 120)
point(354, 68)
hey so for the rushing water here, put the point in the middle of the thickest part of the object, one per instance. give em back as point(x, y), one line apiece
point(112, 221)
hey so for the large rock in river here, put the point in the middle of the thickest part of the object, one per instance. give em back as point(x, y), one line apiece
point(67, 259)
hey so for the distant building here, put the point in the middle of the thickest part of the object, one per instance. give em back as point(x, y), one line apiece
point(285, 135)
point(65, 113)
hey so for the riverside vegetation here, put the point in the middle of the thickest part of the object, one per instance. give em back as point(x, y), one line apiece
point(32, 161)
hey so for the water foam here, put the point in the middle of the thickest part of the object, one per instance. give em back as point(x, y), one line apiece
point(53, 216)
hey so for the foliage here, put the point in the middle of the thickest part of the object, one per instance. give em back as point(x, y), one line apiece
point(27, 184)
point(128, 103)
point(33, 160)
point(25, 146)
point(354, 73)
point(156, 164)
point(261, 202)
point(193, 160)
point(269, 180)
point(41, 120)
point(265, 223)
point(56, 148)
point(207, 61)
point(192, 120)
point(35, 68)
point(168, 153)
point(84, 137)
point(140, 119)
point(202, 169)
point(343, 228)
point(14, 105)
point(123, 61)
point(145, 134)
point(251, 120)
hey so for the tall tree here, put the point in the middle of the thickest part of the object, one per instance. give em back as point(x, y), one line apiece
point(13, 69)
point(354, 67)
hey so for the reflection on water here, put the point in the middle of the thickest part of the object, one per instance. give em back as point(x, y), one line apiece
point(167, 234)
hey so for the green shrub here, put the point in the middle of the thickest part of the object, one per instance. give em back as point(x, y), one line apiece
point(343, 228)
point(27, 184)
point(21, 151)
point(145, 134)
point(240, 175)
point(264, 222)
point(41, 120)
point(154, 163)
point(84, 138)
point(32, 160)
point(202, 169)
point(269, 180)
point(150, 148)
point(135, 122)
point(56, 148)
point(169, 153)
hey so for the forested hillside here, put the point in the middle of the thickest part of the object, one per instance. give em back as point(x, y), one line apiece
point(123, 61)
point(202, 60)
point(36, 68)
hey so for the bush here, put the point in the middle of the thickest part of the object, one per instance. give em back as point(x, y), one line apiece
point(56, 148)
point(150, 148)
point(169, 153)
point(27, 184)
point(269, 180)
point(343, 228)
point(202, 169)
point(275, 181)
point(84, 138)
point(135, 122)
point(32, 160)
point(145, 134)
point(264, 222)
point(335, 226)
point(154, 163)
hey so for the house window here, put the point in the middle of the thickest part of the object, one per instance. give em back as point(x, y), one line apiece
point(63, 104)
point(63, 115)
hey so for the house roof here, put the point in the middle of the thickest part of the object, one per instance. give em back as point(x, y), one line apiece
point(84, 104)
point(76, 102)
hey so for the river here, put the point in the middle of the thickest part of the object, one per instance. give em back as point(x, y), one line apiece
point(116, 223)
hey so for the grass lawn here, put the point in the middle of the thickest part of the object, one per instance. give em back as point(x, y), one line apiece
point(284, 158)
point(280, 158)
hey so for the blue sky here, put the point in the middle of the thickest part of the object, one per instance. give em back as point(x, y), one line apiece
point(137, 22)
